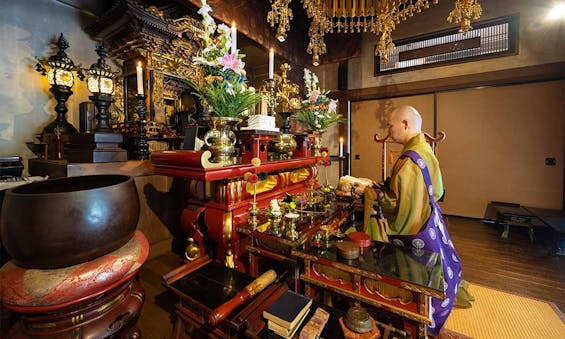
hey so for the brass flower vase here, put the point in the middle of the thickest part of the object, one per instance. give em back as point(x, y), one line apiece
point(221, 139)
point(274, 227)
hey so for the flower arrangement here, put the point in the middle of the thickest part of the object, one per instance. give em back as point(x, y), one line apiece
point(318, 111)
point(291, 202)
point(221, 82)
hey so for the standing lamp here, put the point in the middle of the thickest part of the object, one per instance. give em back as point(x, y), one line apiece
point(103, 144)
point(101, 85)
point(60, 76)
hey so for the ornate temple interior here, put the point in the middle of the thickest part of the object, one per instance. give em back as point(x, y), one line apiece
point(380, 168)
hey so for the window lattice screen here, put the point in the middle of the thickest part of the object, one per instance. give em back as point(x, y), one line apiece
point(487, 39)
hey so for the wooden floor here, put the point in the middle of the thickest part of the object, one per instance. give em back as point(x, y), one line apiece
point(514, 265)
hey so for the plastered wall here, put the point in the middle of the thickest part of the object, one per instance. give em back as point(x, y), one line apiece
point(29, 29)
point(498, 141)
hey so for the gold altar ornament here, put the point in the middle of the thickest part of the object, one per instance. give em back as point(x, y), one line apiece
point(356, 16)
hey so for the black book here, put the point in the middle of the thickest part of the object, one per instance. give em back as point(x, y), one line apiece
point(288, 309)
point(287, 332)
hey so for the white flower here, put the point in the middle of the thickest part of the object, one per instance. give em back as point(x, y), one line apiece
point(209, 23)
point(314, 81)
point(204, 9)
point(203, 61)
point(224, 29)
point(310, 81)
point(208, 49)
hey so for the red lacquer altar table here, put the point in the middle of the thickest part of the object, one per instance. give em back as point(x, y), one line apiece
point(219, 198)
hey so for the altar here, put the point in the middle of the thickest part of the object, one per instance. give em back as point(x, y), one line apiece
point(219, 198)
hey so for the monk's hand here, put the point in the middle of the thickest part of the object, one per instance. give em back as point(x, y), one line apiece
point(383, 186)
point(359, 189)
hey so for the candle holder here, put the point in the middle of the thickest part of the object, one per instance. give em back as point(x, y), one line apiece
point(141, 150)
point(270, 86)
point(253, 213)
point(58, 141)
point(275, 216)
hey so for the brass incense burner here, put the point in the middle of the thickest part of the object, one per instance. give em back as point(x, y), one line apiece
point(358, 320)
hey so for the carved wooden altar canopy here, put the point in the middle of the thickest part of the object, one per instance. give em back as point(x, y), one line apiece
point(133, 31)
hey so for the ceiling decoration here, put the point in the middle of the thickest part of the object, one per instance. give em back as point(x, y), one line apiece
point(356, 16)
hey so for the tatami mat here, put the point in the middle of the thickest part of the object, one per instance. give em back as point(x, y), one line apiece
point(498, 315)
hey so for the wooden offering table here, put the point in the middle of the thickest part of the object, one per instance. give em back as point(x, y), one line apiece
point(393, 280)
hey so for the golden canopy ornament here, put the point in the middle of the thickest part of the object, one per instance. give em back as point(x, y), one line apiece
point(356, 16)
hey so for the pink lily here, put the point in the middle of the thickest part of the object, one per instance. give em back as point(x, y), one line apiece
point(231, 61)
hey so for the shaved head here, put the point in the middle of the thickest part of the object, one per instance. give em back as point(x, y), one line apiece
point(404, 123)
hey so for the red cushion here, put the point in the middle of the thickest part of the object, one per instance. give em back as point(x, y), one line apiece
point(22, 287)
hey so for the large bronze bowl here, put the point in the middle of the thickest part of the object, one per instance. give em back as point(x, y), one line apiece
point(62, 222)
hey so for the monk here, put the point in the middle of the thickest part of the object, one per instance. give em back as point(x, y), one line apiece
point(409, 201)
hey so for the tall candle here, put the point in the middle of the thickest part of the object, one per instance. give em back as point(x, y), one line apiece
point(341, 146)
point(139, 78)
point(271, 64)
point(233, 38)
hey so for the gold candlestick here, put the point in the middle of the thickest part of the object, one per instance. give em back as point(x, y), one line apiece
point(253, 211)
point(270, 86)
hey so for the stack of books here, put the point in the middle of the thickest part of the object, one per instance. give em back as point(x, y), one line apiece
point(287, 313)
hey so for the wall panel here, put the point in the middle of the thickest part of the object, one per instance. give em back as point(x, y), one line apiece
point(497, 141)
